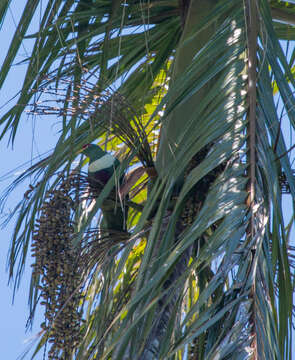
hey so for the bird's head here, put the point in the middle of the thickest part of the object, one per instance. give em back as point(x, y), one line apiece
point(92, 151)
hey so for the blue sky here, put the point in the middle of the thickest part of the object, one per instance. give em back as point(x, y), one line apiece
point(35, 137)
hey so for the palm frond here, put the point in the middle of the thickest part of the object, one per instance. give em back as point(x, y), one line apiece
point(205, 270)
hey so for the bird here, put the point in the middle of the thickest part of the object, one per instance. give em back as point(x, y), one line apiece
point(101, 164)
point(101, 168)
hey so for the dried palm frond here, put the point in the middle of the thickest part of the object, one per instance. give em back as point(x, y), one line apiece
point(106, 109)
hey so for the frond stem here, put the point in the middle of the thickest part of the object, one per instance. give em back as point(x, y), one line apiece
point(252, 34)
point(252, 31)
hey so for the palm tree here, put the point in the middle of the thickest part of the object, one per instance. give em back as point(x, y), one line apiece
point(186, 93)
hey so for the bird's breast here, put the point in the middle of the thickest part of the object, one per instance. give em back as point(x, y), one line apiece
point(106, 161)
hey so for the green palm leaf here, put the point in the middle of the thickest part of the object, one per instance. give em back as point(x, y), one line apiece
point(205, 269)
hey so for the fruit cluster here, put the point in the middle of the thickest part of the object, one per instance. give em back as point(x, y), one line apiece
point(58, 269)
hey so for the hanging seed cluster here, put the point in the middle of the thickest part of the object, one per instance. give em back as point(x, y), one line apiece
point(198, 194)
point(284, 184)
point(58, 266)
point(194, 350)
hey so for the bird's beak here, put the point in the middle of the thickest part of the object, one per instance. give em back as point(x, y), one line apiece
point(79, 152)
point(84, 147)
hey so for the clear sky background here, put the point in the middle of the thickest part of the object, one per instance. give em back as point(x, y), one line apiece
point(35, 137)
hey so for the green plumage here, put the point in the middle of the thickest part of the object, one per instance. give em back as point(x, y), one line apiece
point(102, 166)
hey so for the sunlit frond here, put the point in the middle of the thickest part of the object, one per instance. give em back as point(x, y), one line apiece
point(185, 95)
